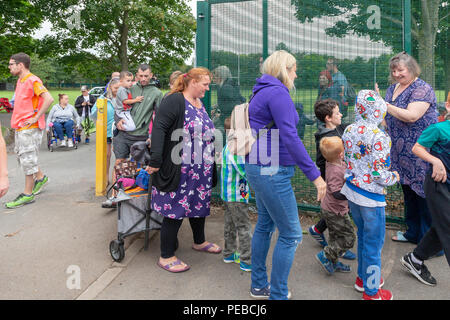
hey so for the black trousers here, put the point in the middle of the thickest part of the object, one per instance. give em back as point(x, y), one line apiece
point(438, 236)
point(417, 216)
point(169, 233)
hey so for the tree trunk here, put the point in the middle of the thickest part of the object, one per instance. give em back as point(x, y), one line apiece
point(426, 60)
point(123, 49)
point(427, 41)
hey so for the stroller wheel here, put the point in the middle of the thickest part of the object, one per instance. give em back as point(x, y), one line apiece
point(117, 250)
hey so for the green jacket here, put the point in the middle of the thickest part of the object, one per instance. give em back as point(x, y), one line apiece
point(142, 111)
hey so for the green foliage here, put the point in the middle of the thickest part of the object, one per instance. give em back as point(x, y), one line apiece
point(429, 25)
point(18, 19)
point(57, 72)
point(115, 35)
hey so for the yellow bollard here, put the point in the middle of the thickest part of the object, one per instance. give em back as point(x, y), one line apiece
point(101, 176)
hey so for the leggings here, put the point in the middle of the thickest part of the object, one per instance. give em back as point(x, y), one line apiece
point(169, 232)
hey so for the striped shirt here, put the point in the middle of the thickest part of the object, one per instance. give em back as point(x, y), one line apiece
point(234, 185)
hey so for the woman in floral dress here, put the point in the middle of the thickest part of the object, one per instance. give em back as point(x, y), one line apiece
point(183, 171)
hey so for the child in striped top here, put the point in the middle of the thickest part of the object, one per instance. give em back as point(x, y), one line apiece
point(235, 194)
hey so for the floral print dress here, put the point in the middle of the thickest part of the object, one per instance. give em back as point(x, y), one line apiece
point(192, 198)
point(404, 135)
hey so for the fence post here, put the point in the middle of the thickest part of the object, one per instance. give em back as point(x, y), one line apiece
point(265, 30)
point(203, 44)
point(407, 26)
point(101, 176)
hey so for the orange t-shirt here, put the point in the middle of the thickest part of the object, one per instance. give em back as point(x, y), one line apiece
point(27, 102)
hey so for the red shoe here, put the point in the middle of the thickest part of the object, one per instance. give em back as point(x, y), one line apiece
point(359, 286)
point(380, 295)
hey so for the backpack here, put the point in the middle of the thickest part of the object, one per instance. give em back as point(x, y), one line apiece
point(240, 137)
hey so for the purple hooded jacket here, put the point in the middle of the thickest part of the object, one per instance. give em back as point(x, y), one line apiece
point(272, 102)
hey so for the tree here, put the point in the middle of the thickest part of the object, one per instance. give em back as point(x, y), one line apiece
point(429, 18)
point(54, 72)
point(18, 19)
point(120, 33)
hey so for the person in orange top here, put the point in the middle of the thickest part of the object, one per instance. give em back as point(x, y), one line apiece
point(32, 100)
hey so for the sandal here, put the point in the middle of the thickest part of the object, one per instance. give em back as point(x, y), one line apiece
point(208, 247)
point(168, 267)
point(399, 237)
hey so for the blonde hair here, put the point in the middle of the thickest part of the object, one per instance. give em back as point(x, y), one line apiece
point(109, 94)
point(331, 147)
point(182, 82)
point(278, 64)
point(174, 76)
point(409, 62)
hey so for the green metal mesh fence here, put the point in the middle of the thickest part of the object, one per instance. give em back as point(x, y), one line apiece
point(358, 36)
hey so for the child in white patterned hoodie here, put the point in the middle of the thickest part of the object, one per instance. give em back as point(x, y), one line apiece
point(367, 155)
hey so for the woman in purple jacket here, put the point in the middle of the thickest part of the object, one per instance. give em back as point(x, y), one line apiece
point(269, 167)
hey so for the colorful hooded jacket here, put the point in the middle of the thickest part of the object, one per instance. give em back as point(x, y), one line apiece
point(367, 148)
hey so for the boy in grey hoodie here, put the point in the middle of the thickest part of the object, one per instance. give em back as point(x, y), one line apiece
point(367, 155)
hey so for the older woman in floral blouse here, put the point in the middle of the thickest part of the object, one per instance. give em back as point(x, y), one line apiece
point(411, 109)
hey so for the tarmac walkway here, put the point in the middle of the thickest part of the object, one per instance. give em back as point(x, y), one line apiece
point(58, 248)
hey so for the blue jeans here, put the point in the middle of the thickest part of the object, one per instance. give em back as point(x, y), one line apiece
point(371, 231)
point(277, 207)
point(67, 126)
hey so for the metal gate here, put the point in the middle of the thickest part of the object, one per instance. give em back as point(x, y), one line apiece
point(356, 37)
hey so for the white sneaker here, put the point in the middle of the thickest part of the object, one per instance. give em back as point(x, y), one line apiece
point(70, 143)
point(109, 203)
point(63, 143)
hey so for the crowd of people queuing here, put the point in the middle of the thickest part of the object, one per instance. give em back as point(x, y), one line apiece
point(395, 139)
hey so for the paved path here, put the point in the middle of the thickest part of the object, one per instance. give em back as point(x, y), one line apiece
point(66, 230)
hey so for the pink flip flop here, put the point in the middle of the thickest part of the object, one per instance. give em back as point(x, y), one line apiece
point(207, 247)
point(168, 266)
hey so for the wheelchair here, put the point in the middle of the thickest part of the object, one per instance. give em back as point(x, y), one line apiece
point(52, 138)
